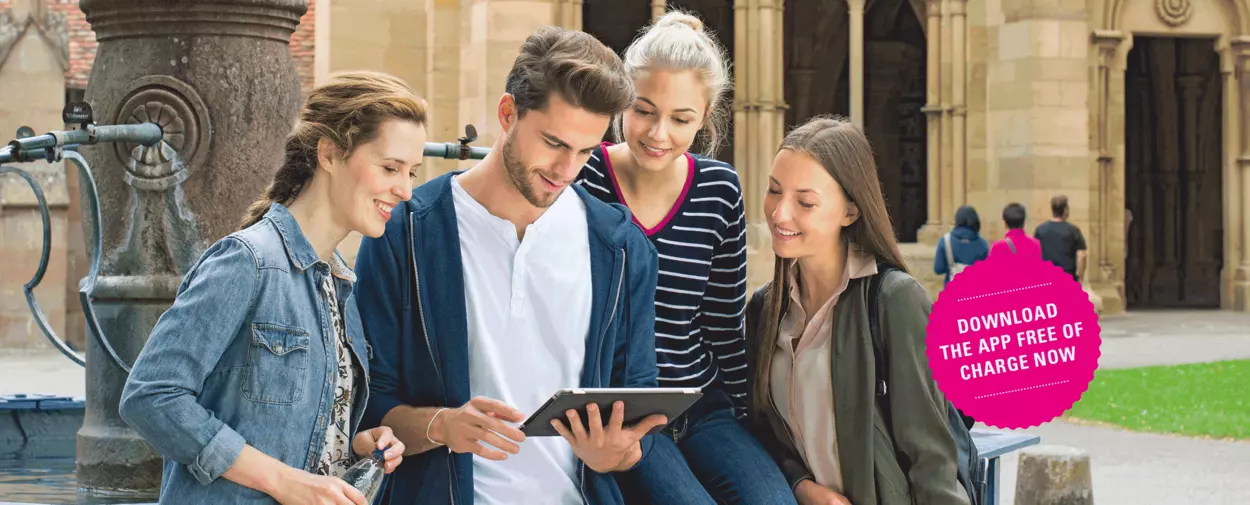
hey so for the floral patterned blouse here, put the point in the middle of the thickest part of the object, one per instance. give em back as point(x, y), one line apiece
point(337, 455)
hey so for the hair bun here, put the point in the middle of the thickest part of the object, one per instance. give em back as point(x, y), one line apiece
point(681, 18)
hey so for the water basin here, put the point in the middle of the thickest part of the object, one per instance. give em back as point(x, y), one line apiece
point(48, 481)
point(37, 453)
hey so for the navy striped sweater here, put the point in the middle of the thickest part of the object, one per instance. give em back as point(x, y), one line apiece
point(700, 298)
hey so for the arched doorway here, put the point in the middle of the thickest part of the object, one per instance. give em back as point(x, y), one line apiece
point(817, 82)
point(617, 23)
point(1173, 163)
point(1170, 110)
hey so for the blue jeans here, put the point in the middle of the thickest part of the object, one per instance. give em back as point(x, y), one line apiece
point(706, 457)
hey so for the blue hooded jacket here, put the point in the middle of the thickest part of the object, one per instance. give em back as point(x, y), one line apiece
point(410, 293)
point(967, 245)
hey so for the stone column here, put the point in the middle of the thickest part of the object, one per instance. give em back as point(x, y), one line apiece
point(946, 211)
point(219, 78)
point(856, 10)
point(657, 9)
point(742, 68)
point(778, 73)
point(769, 95)
point(1241, 277)
point(759, 117)
point(959, 105)
point(1106, 263)
point(933, 227)
point(569, 13)
point(1231, 138)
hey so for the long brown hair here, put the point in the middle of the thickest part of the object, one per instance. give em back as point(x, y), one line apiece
point(347, 110)
point(844, 151)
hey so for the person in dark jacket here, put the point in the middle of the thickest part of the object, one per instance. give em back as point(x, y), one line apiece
point(966, 245)
point(809, 345)
point(504, 283)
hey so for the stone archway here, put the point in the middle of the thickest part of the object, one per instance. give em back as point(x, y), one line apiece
point(1120, 22)
point(817, 81)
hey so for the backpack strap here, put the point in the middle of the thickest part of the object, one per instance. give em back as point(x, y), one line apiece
point(881, 386)
point(1011, 245)
point(950, 256)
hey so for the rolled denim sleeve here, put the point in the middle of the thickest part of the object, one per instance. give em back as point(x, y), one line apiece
point(159, 399)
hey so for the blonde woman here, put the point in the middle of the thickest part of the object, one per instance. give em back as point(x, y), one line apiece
point(690, 207)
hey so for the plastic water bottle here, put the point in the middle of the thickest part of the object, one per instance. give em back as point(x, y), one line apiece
point(366, 475)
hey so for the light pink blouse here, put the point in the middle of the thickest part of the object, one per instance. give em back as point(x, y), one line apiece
point(801, 376)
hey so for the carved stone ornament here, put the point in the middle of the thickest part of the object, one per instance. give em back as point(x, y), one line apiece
point(1174, 12)
point(178, 110)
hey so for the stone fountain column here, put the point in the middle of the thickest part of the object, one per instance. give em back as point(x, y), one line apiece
point(219, 79)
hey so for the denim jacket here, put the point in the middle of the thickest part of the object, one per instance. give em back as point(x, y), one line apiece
point(244, 356)
point(411, 292)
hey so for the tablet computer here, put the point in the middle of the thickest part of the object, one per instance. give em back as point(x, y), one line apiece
point(639, 403)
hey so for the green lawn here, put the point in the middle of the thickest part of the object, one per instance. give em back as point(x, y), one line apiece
point(1207, 399)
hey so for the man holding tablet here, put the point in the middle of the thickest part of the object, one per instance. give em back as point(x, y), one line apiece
point(496, 287)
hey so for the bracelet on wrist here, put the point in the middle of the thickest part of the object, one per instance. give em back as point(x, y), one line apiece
point(431, 425)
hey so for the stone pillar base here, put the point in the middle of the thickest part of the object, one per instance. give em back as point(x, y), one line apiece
point(1241, 290)
point(1106, 296)
point(919, 259)
point(1054, 475)
point(119, 457)
point(930, 233)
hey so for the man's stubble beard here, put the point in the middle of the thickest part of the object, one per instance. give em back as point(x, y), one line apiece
point(520, 176)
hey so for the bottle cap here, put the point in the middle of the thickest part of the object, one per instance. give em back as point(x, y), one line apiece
point(380, 454)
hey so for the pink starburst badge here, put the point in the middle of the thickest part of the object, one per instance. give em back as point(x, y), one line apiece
point(1013, 341)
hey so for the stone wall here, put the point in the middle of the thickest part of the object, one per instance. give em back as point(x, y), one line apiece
point(32, 75)
point(80, 41)
point(303, 47)
point(67, 21)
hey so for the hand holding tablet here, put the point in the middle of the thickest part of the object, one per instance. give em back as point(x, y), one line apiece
point(577, 415)
point(638, 404)
point(612, 446)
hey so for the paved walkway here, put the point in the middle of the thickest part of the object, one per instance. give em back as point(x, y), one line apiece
point(1173, 337)
point(1137, 468)
point(44, 371)
point(1131, 467)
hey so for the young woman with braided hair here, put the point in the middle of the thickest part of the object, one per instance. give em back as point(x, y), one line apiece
point(253, 383)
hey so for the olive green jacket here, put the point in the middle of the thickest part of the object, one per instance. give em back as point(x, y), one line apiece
point(917, 463)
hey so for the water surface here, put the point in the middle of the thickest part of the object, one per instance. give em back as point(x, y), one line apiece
point(50, 481)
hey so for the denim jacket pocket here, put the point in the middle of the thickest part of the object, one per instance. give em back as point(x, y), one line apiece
point(277, 364)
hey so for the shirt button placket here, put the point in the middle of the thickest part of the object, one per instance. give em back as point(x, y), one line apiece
point(518, 284)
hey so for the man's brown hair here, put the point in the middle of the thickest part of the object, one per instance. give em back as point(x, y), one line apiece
point(1059, 205)
point(586, 73)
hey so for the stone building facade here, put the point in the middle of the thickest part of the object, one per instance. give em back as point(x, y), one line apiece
point(1119, 104)
point(1122, 105)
